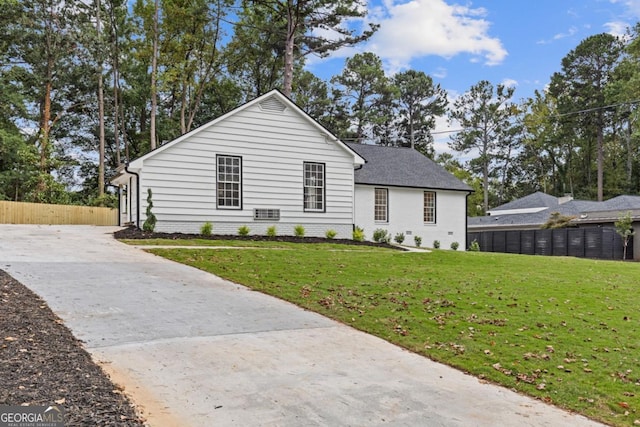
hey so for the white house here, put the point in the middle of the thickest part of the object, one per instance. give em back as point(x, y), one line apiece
point(267, 163)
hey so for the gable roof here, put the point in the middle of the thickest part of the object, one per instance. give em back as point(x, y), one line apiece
point(270, 100)
point(402, 167)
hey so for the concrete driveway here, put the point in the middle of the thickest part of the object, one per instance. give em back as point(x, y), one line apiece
point(195, 350)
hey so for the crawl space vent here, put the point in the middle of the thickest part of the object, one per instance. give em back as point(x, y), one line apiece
point(273, 105)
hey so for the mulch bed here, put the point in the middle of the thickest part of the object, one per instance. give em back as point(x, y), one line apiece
point(42, 363)
point(136, 233)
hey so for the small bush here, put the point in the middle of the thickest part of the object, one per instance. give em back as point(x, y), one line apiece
point(436, 244)
point(206, 229)
point(298, 231)
point(271, 231)
point(399, 238)
point(243, 231)
point(380, 235)
point(474, 246)
point(358, 234)
point(455, 246)
point(417, 240)
point(150, 223)
point(330, 234)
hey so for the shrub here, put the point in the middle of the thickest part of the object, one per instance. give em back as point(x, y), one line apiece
point(358, 234)
point(380, 235)
point(455, 246)
point(206, 229)
point(243, 231)
point(417, 240)
point(298, 231)
point(399, 238)
point(330, 234)
point(436, 244)
point(474, 246)
point(150, 223)
point(271, 231)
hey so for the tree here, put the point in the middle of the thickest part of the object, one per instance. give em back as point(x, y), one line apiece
point(361, 83)
point(485, 120)
point(255, 53)
point(316, 27)
point(557, 220)
point(47, 60)
point(420, 103)
point(624, 229)
point(580, 89)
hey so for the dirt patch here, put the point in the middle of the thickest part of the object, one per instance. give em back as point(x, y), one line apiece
point(42, 363)
point(136, 233)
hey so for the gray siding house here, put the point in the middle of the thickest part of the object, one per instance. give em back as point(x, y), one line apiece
point(268, 163)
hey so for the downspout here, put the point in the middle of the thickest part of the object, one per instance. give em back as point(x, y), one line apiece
point(466, 220)
point(126, 168)
point(353, 226)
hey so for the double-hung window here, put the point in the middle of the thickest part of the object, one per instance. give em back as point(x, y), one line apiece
point(314, 187)
point(381, 205)
point(229, 182)
point(430, 207)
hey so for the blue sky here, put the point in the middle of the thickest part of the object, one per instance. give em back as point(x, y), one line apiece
point(516, 42)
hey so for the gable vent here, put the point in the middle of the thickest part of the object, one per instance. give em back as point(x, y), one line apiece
point(272, 104)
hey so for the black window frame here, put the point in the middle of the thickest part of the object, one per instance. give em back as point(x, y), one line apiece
point(305, 194)
point(220, 182)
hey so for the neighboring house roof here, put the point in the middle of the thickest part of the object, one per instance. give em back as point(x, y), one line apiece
point(402, 167)
point(584, 211)
point(268, 98)
point(531, 203)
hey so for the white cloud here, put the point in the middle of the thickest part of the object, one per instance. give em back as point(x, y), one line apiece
point(509, 83)
point(439, 73)
point(570, 32)
point(632, 6)
point(617, 28)
point(419, 28)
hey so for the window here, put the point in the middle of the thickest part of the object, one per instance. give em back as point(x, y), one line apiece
point(314, 187)
point(229, 182)
point(381, 206)
point(430, 207)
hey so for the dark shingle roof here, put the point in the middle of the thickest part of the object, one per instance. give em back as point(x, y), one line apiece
point(402, 167)
point(535, 200)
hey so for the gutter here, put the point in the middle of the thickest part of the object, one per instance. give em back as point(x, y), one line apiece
point(126, 168)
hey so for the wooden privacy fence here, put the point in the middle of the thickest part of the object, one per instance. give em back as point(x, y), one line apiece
point(40, 213)
point(587, 242)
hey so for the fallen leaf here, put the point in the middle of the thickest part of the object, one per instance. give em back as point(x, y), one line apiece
point(60, 401)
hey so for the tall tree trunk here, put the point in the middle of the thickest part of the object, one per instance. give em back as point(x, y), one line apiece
point(154, 75)
point(115, 52)
point(288, 49)
point(100, 107)
point(600, 162)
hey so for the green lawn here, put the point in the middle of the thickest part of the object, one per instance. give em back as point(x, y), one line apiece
point(564, 330)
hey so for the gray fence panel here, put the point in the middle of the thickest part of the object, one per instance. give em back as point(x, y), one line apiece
point(499, 241)
point(513, 242)
point(575, 237)
point(560, 242)
point(528, 242)
point(544, 242)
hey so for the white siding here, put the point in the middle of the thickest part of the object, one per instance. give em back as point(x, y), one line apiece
point(273, 147)
point(406, 215)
